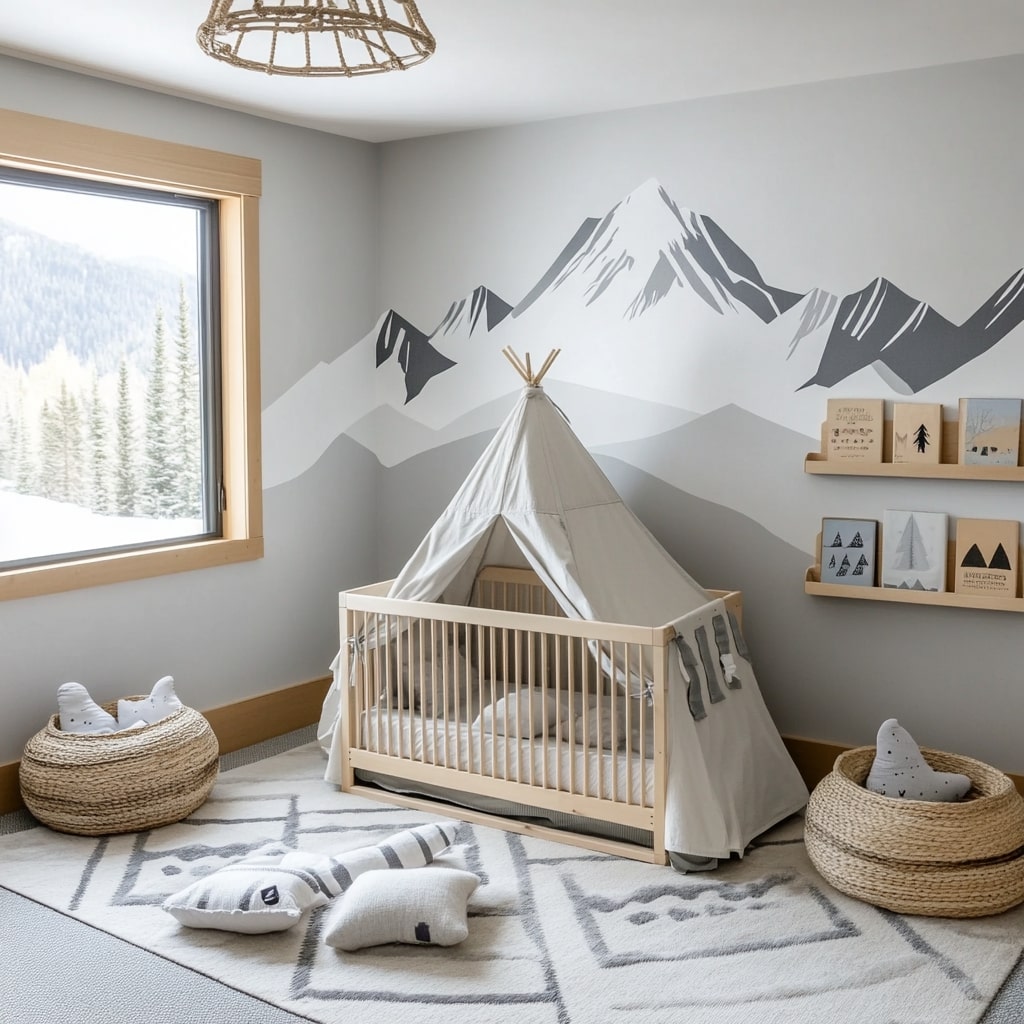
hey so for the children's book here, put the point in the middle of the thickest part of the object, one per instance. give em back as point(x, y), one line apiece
point(848, 551)
point(917, 432)
point(989, 433)
point(854, 429)
point(987, 557)
point(915, 547)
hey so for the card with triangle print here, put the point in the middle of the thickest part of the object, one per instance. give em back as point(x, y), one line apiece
point(848, 551)
point(987, 557)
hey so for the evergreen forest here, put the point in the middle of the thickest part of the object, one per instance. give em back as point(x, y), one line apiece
point(99, 381)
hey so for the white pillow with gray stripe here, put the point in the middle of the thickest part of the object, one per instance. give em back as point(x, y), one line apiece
point(253, 896)
point(413, 848)
point(271, 889)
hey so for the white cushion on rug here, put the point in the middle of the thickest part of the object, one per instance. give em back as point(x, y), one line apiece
point(427, 906)
point(254, 896)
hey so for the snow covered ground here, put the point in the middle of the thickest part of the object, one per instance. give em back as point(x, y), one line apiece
point(32, 527)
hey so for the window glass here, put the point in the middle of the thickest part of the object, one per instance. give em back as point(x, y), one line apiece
point(109, 400)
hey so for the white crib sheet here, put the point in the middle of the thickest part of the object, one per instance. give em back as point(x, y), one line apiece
point(549, 762)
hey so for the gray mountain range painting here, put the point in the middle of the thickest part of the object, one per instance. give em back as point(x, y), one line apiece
point(673, 344)
point(907, 341)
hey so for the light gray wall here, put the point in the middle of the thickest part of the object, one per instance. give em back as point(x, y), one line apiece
point(914, 176)
point(232, 632)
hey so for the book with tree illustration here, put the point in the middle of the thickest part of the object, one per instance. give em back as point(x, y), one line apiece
point(854, 429)
point(917, 432)
point(914, 549)
point(987, 557)
point(848, 551)
point(989, 432)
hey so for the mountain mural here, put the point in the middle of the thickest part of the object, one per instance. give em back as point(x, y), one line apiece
point(653, 246)
point(647, 247)
point(656, 308)
point(909, 343)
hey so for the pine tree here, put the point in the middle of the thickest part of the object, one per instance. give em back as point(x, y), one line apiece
point(161, 462)
point(25, 464)
point(49, 479)
point(62, 448)
point(187, 409)
point(125, 479)
point(99, 455)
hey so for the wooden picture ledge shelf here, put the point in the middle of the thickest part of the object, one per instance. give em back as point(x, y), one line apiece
point(947, 469)
point(941, 599)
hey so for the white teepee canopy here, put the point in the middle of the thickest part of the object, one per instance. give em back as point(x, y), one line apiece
point(536, 498)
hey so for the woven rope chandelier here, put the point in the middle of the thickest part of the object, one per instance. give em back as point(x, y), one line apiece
point(316, 38)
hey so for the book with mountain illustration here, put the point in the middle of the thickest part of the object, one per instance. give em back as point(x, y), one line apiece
point(989, 431)
point(917, 432)
point(987, 557)
point(848, 549)
point(854, 429)
point(915, 547)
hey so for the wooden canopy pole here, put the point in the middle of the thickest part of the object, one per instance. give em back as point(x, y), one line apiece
point(525, 370)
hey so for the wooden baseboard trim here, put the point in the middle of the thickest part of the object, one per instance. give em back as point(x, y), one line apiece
point(235, 725)
point(273, 714)
point(268, 715)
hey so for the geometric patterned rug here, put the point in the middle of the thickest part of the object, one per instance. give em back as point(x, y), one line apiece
point(557, 935)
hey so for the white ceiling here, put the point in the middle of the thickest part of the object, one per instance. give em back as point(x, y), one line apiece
point(501, 62)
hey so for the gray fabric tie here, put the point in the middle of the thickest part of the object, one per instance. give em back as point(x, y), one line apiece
point(692, 673)
point(725, 657)
point(715, 694)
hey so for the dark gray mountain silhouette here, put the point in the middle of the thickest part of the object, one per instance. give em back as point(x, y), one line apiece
point(418, 359)
point(910, 343)
point(481, 309)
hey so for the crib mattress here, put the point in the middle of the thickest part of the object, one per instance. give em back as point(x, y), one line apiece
point(546, 762)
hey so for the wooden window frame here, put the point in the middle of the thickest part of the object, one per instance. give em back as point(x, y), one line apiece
point(61, 147)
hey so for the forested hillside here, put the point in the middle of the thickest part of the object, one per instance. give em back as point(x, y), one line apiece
point(102, 309)
point(99, 391)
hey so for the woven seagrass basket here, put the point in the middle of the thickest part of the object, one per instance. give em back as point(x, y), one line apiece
point(961, 859)
point(94, 785)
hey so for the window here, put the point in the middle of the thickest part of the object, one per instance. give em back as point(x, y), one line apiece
point(129, 402)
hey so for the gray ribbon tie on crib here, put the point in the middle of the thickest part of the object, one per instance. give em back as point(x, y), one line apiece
point(725, 651)
point(688, 660)
point(741, 643)
point(691, 665)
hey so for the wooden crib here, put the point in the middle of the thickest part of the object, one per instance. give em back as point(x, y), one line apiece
point(508, 701)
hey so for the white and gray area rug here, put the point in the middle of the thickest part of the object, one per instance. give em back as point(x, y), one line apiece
point(557, 935)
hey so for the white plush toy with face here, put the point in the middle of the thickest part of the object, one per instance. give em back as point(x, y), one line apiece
point(900, 770)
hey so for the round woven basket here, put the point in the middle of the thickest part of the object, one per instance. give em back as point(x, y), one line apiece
point(961, 859)
point(94, 785)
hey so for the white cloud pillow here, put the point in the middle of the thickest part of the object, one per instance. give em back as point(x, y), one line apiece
point(522, 714)
point(254, 896)
point(427, 906)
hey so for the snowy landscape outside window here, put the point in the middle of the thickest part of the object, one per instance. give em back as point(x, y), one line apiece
point(109, 402)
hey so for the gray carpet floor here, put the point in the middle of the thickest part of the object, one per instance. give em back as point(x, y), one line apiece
point(55, 970)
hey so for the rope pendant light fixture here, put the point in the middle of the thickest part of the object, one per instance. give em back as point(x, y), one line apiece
point(316, 38)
